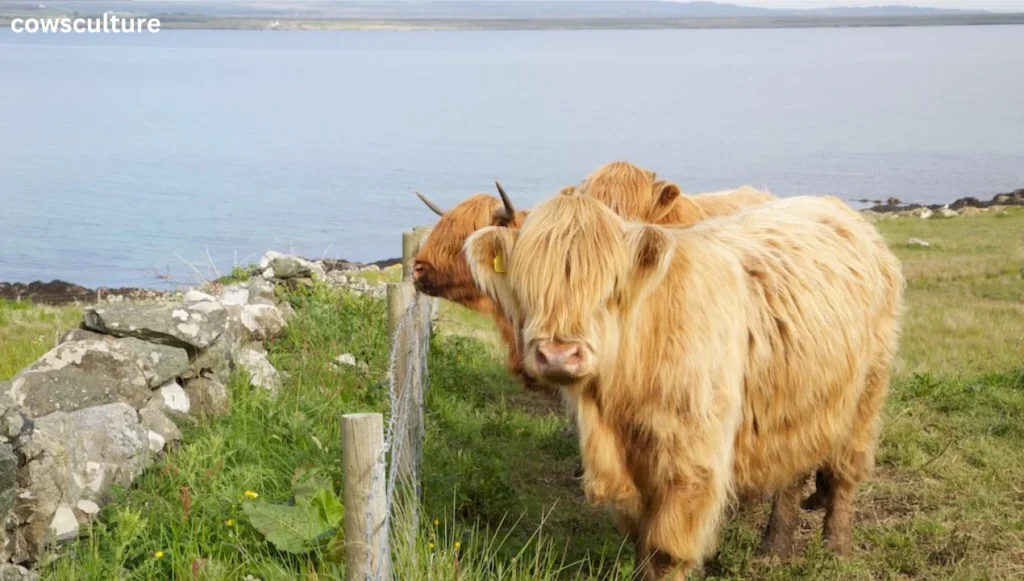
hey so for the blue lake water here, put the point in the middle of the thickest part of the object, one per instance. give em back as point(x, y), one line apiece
point(120, 154)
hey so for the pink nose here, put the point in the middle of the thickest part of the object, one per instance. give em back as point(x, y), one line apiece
point(558, 359)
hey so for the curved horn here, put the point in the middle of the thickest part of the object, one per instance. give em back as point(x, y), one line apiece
point(437, 209)
point(510, 210)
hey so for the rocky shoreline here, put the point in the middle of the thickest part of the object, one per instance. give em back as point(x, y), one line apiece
point(58, 292)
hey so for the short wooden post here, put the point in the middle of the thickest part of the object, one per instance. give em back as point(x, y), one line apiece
point(412, 241)
point(362, 443)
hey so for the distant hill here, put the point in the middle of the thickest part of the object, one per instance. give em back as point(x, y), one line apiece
point(467, 9)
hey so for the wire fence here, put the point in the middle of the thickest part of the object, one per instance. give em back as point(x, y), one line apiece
point(389, 526)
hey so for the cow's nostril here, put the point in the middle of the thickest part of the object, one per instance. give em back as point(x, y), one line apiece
point(542, 357)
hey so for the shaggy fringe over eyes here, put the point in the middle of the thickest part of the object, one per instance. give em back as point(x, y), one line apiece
point(567, 262)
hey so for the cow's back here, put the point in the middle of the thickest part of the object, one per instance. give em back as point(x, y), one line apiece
point(825, 294)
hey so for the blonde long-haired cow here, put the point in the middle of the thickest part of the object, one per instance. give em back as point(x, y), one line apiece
point(635, 193)
point(440, 269)
point(732, 357)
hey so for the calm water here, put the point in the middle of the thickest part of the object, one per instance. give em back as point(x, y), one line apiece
point(118, 153)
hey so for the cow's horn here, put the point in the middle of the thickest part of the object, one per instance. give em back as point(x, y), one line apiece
point(437, 209)
point(509, 208)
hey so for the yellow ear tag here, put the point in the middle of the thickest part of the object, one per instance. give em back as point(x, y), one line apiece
point(499, 263)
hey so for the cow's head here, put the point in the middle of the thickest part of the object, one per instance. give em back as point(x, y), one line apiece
point(439, 268)
point(637, 194)
point(569, 279)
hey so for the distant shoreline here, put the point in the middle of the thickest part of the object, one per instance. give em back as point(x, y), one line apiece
point(185, 22)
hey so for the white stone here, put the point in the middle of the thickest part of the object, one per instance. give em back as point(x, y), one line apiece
point(261, 372)
point(268, 273)
point(64, 526)
point(947, 213)
point(346, 359)
point(235, 296)
point(156, 442)
point(917, 242)
point(88, 507)
point(194, 296)
point(171, 397)
point(268, 257)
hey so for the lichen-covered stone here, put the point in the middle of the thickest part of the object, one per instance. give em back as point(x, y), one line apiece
point(159, 363)
point(79, 374)
point(194, 325)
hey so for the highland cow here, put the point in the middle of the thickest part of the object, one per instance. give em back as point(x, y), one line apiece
point(732, 357)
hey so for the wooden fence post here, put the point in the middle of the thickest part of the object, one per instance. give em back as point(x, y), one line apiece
point(412, 240)
point(406, 365)
point(362, 442)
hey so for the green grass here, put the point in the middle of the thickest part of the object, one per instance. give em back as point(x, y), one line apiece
point(27, 331)
point(946, 502)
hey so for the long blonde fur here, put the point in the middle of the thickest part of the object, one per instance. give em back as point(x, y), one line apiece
point(736, 355)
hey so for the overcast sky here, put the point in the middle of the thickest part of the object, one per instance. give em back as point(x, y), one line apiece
point(1000, 5)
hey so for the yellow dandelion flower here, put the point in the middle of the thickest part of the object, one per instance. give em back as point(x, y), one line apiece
point(251, 495)
point(458, 544)
point(436, 522)
point(158, 555)
point(230, 522)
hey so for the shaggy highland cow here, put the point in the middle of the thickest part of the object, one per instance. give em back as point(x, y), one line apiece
point(440, 269)
point(732, 357)
point(635, 193)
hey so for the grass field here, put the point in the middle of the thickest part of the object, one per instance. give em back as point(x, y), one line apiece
point(946, 502)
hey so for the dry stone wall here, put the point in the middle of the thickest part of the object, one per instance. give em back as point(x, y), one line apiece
point(96, 409)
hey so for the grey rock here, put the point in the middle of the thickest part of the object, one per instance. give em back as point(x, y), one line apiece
point(9, 572)
point(218, 359)
point(156, 442)
point(15, 425)
point(261, 289)
point(346, 359)
point(154, 420)
point(8, 479)
point(262, 322)
point(290, 266)
point(159, 363)
point(77, 375)
point(917, 242)
point(55, 474)
point(261, 372)
point(82, 335)
point(113, 439)
point(194, 325)
point(268, 273)
point(207, 397)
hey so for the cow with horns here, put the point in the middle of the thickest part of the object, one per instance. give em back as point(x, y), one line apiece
point(732, 357)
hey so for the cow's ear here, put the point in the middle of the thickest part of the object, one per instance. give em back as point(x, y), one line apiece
point(651, 249)
point(672, 207)
point(665, 193)
point(488, 251)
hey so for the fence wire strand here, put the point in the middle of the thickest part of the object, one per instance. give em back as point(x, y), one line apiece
point(410, 344)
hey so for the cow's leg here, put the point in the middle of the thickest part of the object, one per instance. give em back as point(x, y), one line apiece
point(781, 527)
point(819, 498)
point(855, 459)
point(606, 477)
